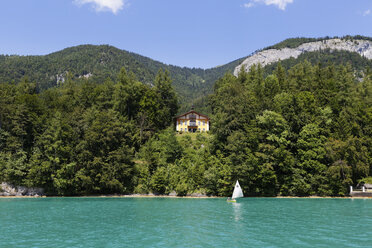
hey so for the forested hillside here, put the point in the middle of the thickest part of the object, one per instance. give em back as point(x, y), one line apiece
point(302, 131)
point(81, 137)
point(97, 63)
point(297, 132)
point(295, 128)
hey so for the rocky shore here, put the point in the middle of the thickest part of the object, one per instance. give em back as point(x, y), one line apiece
point(8, 190)
point(11, 190)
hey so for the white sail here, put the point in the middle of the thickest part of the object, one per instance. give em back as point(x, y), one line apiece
point(237, 191)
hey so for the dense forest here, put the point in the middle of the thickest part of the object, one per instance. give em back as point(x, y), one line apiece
point(297, 132)
point(101, 62)
point(306, 130)
point(99, 120)
point(81, 137)
point(302, 131)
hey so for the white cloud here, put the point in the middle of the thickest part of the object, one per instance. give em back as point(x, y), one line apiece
point(248, 5)
point(104, 5)
point(281, 4)
point(367, 12)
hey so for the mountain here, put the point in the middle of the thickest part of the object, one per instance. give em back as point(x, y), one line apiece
point(293, 48)
point(101, 62)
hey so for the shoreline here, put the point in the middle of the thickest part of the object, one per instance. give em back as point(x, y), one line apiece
point(185, 197)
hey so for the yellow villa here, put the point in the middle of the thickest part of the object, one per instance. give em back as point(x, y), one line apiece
point(192, 122)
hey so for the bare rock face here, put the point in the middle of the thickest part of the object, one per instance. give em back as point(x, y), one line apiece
point(363, 47)
point(88, 75)
point(173, 193)
point(197, 194)
point(11, 190)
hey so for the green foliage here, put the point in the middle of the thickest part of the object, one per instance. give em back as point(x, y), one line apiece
point(293, 42)
point(101, 62)
point(366, 180)
point(297, 128)
point(81, 137)
point(301, 131)
point(13, 167)
point(184, 164)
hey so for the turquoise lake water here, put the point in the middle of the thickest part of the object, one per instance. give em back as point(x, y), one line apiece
point(164, 222)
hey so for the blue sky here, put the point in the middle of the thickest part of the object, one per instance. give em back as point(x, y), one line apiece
point(193, 33)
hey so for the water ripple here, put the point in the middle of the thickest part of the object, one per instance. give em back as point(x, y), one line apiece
point(143, 222)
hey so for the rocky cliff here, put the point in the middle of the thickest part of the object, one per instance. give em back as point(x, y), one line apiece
point(265, 57)
point(11, 190)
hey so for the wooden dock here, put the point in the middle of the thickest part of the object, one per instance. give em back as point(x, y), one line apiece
point(361, 194)
point(364, 192)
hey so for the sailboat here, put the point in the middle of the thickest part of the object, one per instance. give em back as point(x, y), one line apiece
point(237, 193)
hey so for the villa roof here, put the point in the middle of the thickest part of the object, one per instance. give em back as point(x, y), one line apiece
point(192, 112)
